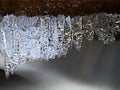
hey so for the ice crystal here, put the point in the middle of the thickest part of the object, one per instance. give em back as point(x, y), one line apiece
point(25, 38)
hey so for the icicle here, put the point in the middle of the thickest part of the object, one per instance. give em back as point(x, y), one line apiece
point(25, 38)
point(77, 32)
point(88, 27)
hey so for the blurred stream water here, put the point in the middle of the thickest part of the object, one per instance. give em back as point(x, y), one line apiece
point(95, 67)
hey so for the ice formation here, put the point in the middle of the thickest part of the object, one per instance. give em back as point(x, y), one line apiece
point(25, 38)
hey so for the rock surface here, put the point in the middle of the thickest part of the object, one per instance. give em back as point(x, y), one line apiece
point(55, 7)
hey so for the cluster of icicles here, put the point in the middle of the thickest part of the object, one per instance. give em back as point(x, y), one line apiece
point(25, 38)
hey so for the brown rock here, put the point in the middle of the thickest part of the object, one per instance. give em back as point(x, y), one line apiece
point(55, 7)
